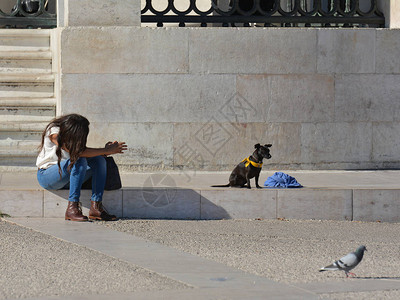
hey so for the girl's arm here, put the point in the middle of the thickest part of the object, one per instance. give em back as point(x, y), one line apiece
point(110, 148)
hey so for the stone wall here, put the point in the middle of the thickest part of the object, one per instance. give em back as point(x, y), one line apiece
point(200, 98)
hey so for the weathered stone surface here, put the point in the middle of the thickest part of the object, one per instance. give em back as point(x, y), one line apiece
point(123, 50)
point(179, 104)
point(102, 13)
point(290, 98)
point(387, 51)
point(221, 145)
point(252, 50)
point(20, 203)
point(146, 98)
point(240, 108)
point(238, 204)
point(386, 141)
point(162, 201)
point(286, 143)
point(148, 143)
point(376, 205)
point(203, 145)
point(315, 204)
point(346, 51)
point(56, 202)
point(336, 142)
point(367, 98)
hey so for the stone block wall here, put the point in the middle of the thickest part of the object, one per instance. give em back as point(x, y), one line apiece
point(200, 98)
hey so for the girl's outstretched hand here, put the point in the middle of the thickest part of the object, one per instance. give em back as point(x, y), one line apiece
point(115, 147)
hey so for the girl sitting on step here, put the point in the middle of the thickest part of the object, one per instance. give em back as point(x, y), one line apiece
point(65, 160)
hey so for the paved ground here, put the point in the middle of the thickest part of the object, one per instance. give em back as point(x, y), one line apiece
point(35, 265)
point(285, 251)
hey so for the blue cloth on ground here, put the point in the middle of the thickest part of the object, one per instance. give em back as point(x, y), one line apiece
point(282, 180)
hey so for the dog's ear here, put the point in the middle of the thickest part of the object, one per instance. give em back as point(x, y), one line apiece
point(257, 146)
point(267, 145)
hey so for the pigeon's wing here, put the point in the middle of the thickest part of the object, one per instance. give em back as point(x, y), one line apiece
point(348, 262)
point(332, 267)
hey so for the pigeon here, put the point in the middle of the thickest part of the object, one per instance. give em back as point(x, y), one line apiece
point(348, 262)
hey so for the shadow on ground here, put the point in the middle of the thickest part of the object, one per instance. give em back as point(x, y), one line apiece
point(144, 203)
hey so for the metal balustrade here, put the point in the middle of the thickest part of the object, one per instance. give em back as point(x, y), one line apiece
point(32, 15)
point(267, 13)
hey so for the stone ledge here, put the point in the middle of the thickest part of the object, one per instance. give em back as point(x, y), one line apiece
point(204, 204)
point(328, 195)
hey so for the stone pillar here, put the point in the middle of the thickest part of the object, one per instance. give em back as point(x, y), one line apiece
point(81, 16)
point(391, 10)
point(98, 13)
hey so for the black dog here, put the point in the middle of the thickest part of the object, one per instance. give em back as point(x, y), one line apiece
point(248, 168)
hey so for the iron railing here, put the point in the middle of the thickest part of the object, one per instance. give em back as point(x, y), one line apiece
point(33, 14)
point(287, 13)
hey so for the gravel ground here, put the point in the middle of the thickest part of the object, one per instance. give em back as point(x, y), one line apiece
point(395, 295)
point(282, 250)
point(45, 266)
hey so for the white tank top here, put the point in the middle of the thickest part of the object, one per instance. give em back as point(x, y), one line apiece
point(48, 157)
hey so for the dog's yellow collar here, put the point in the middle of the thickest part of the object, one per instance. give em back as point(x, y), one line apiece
point(247, 161)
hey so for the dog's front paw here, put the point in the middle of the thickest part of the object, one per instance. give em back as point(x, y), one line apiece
point(259, 187)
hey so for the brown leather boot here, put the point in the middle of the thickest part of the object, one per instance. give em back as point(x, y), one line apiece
point(74, 212)
point(98, 212)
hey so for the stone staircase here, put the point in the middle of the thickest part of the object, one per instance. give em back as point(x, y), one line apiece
point(27, 99)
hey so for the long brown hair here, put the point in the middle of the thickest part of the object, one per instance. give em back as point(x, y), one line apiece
point(74, 130)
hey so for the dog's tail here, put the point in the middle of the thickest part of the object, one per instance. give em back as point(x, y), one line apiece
point(225, 185)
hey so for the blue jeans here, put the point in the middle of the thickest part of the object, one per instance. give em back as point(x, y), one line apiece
point(82, 170)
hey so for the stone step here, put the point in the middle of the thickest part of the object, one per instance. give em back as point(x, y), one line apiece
point(18, 153)
point(22, 127)
point(24, 53)
point(20, 143)
point(18, 65)
point(24, 38)
point(26, 118)
point(23, 48)
point(27, 102)
point(25, 32)
point(19, 137)
point(26, 89)
point(18, 158)
point(26, 85)
point(26, 94)
point(27, 113)
point(25, 57)
point(26, 75)
point(26, 110)
point(8, 71)
point(11, 144)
